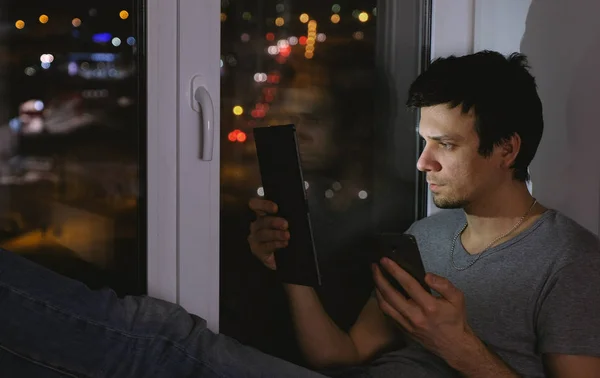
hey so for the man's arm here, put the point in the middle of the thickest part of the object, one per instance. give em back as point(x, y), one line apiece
point(474, 360)
point(568, 324)
point(321, 340)
point(572, 366)
point(324, 344)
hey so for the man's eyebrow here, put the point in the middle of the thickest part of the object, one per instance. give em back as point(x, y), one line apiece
point(444, 137)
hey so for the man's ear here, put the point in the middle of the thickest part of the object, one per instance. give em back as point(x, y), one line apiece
point(509, 149)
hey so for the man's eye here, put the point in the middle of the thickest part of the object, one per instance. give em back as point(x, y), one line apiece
point(447, 146)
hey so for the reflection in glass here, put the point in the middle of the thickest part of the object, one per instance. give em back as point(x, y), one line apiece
point(311, 64)
point(69, 139)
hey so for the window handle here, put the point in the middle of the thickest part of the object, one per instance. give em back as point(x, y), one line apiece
point(202, 97)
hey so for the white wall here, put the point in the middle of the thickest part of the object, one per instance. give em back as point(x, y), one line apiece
point(452, 27)
point(562, 41)
point(499, 24)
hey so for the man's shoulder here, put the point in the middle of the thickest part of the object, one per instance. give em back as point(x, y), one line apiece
point(570, 237)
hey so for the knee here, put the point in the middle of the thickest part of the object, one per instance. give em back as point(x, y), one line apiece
point(155, 317)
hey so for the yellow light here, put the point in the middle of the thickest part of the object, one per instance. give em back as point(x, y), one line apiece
point(223, 17)
point(238, 110)
point(335, 18)
point(20, 24)
point(124, 14)
point(279, 21)
point(363, 17)
point(310, 48)
point(309, 55)
point(310, 41)
point(43, 19)
point(312, 24)
point(304, 18)
point(76, 22)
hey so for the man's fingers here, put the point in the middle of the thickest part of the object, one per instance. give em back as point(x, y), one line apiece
point(410, 284)
point(267, 222)
point(266, 235)
point(273, 245)
point(262, 206)
point(447, 290)
point(390, 311)
point(391, 295)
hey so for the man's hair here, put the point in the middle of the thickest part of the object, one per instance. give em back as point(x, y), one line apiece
point(501, 92)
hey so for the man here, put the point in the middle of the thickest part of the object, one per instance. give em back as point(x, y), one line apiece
point(516, 282)
point(519, 297)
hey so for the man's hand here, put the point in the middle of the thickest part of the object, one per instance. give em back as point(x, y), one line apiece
point(439, 324)
point(267, 233)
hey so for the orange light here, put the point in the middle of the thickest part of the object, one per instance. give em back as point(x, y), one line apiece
point(76, 22)
point(232, 136)
point(20, 24)
point(335, 18)
point(241, 137)
point(43, 19)
point(302, 40)
point(124, 15)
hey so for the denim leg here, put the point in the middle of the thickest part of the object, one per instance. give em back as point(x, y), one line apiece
point(59, 324)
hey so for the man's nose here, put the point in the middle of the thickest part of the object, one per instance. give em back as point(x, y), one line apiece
point(427, 162)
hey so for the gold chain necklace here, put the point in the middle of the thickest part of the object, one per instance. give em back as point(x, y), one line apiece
point(489, 245)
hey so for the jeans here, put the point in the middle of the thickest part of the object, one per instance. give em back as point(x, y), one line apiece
point(52, 326)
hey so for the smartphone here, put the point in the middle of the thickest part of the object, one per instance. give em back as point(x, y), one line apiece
point(283, 183)
point(404, 251)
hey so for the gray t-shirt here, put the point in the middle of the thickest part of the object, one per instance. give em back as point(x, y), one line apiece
point(536, 293)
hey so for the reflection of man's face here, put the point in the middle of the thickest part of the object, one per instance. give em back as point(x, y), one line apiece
point(310, 109)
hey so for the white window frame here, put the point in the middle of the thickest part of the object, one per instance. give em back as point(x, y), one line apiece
point(183, 41)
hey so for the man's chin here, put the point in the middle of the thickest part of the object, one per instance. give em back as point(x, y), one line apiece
point(447, 203)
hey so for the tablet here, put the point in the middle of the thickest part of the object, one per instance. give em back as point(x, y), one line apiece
point(283, 183)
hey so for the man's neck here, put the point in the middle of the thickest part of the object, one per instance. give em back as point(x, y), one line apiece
point(498, 213)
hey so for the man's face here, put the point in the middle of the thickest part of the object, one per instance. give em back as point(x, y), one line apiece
point(456, 173)
point(310, 110)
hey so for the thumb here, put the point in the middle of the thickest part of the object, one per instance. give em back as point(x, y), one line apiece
point(446, 289)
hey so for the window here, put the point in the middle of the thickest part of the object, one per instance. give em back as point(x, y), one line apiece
point(340, 73)
point(71, 123)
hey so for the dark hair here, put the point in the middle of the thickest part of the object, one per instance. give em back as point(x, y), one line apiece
point(502, 93)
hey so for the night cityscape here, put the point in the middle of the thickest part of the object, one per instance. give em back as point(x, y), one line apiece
point(72, 135)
